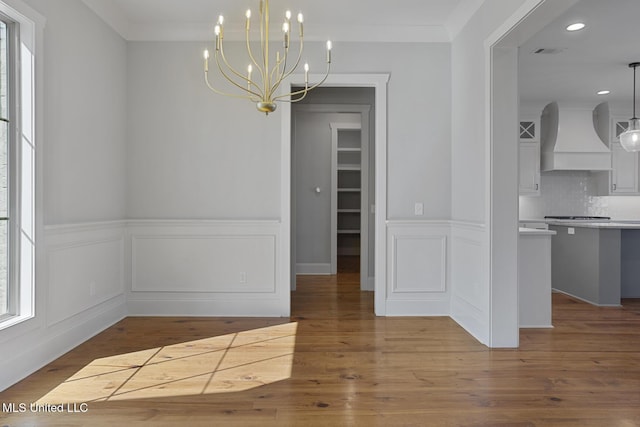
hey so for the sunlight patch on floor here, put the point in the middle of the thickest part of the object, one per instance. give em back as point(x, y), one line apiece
point(222, 364)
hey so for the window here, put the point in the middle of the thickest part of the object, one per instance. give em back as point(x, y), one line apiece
point(6, 291)
point(17, 167)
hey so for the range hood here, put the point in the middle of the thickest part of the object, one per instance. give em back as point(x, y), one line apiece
point(572, 138)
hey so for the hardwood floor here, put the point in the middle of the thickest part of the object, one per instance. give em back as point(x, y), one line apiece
point(333, 363)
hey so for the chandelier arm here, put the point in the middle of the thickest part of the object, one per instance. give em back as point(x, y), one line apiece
point(287, 74)
point(306, 89)
point(304, 95)
point(259, 96)
point(233, 70)
point(251, 54)
point(233, 95)
point(276, 70)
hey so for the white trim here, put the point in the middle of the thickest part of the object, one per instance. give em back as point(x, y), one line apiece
point(584, 300)
point(25, 158)
point(201, 31)
point(53, 342)
point(511, 34)
point(418, 282)
point(111, 13)
point(461, 15)
point(379, 82)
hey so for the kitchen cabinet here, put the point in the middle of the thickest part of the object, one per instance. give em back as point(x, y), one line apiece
point(529, 171)
point(624, 170)
point(534, 278)
point(623, 179)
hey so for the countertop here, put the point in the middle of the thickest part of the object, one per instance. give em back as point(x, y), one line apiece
point(597, 224)
point(535, 232)
point(629, 224)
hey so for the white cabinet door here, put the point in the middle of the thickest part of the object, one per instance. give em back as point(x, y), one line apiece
point(529, 181)
point(624, 176)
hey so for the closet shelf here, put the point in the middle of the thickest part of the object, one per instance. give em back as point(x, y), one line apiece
point(348, 231)
point(348, 167)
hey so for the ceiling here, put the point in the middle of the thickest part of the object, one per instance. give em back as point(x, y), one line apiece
point(339, 20)
point(594, 58)
point(589, 60)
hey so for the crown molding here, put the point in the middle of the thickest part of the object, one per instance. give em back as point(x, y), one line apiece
point(203, 31)
point(460, 16)
point(110, 13)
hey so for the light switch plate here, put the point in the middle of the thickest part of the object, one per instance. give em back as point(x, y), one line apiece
point(419, 208)
point(571, 230)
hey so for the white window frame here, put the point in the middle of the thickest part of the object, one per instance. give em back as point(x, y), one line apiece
point(21, 164)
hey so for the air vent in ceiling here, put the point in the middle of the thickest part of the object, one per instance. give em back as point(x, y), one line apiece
point(547, 50)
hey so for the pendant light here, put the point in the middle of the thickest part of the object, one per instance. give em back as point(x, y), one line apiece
point(630, 139)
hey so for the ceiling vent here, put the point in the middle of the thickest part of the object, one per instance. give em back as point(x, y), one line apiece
point(547, 51)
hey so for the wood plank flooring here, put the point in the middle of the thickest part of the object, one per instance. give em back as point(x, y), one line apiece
point(333, 363)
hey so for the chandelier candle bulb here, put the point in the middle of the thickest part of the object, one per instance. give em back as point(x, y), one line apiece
point(285, 29)
point(206, 61)
point(300, 21)
point(249, 70)
point(306, 74)
point(221, 26)
point(329, 51)
point(248, 15)
point(216, 30)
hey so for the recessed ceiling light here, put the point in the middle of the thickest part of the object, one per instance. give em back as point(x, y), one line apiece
point(603, 92)
point(575, 27)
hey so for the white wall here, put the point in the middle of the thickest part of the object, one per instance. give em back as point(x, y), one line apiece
point(80, 145)
point(193, 154)
point(196, 155)
point(85, 115)
point(471, 259)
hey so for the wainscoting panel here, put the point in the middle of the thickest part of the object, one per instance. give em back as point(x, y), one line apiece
point(85, 268)
point(205, 268)
point(417, 268)
point(203, 263)
point(470, 286)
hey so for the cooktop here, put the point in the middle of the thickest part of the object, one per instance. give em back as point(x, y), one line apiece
point(578, 217)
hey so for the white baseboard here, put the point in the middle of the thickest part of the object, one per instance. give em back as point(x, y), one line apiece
point(312, 269)
point(206, 307)
point(370, 284)
point(47, 346)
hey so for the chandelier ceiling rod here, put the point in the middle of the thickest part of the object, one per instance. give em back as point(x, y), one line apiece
point(262, 90)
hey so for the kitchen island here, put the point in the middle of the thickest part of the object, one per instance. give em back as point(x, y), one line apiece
point(598, 262)
point(534, 278)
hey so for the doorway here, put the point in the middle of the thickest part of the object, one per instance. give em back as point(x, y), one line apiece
point(332, 191)
point(377, 212)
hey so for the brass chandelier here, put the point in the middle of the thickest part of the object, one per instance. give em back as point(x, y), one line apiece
point(262, 90)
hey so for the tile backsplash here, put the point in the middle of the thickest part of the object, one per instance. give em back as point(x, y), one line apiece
point(575, 193)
